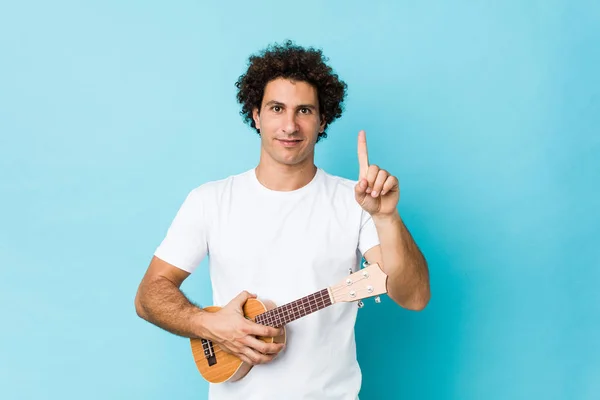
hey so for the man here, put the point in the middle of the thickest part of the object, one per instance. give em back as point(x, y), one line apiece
point(281, 231)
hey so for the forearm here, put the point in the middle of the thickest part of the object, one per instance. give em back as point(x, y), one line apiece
point(163, 304)
point(403, 262)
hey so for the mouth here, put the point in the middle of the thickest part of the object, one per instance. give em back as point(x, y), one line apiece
point(289, 142)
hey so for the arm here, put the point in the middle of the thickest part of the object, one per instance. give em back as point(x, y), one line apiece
point(160, 302)
point(378, 193)
point(403, 262)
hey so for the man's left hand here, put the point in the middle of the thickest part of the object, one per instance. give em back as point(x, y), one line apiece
point(377, 191)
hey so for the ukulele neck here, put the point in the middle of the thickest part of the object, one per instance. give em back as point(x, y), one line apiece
point(289, 312)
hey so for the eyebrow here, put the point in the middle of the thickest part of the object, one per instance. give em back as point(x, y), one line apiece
point(278, 103)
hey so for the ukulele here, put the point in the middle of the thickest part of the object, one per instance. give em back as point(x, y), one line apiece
point(217, 366)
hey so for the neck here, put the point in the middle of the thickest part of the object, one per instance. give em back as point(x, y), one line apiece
point(287, 313)
point(284, 178)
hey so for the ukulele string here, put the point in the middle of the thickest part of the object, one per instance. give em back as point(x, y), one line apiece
point(335, 290)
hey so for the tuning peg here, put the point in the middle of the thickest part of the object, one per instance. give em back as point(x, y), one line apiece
point(377, 299)
point(360, 304)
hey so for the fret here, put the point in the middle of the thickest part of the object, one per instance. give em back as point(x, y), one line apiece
point(296, 311)
point(315, 301)
point(320, 302)
point(288, 312)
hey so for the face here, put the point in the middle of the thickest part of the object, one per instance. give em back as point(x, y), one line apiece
point(289, 122)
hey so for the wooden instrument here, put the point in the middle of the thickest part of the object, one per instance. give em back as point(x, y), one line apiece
point(217, 366)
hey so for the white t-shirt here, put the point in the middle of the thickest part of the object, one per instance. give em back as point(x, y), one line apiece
point(281, 246)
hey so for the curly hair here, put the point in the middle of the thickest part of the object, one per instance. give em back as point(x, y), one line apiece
point(293, 62)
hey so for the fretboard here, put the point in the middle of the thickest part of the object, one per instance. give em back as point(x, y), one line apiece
point(296, 309)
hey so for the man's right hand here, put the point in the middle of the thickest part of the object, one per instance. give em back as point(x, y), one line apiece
point(237, 335)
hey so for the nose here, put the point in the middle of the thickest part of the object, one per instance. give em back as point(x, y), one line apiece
point(289, 124)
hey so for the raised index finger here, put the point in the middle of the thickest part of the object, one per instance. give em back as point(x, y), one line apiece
point(363, 156)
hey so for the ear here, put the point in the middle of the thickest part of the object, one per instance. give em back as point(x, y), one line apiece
point(323, 123)
point(256, 117)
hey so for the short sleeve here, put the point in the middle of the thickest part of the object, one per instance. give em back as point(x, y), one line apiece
point(185, 244)
point(367, 237)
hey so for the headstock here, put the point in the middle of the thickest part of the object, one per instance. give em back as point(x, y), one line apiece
point(366, 282)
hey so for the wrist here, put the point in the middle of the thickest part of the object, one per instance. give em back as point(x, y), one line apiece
point(391, 218)
point(199, 323)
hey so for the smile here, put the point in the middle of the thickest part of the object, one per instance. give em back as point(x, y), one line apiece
point(289, 143)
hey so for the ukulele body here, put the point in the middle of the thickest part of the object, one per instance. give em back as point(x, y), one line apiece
point(219, 366)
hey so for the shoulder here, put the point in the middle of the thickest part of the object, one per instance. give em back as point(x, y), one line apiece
point(215, 189)
point(338, 182)
point(219, 185)
point(340, 191)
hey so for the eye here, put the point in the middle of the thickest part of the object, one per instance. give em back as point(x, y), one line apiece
point(305, 110)
point(276, 108)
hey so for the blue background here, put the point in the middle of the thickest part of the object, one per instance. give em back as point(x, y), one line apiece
point(110, 112)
